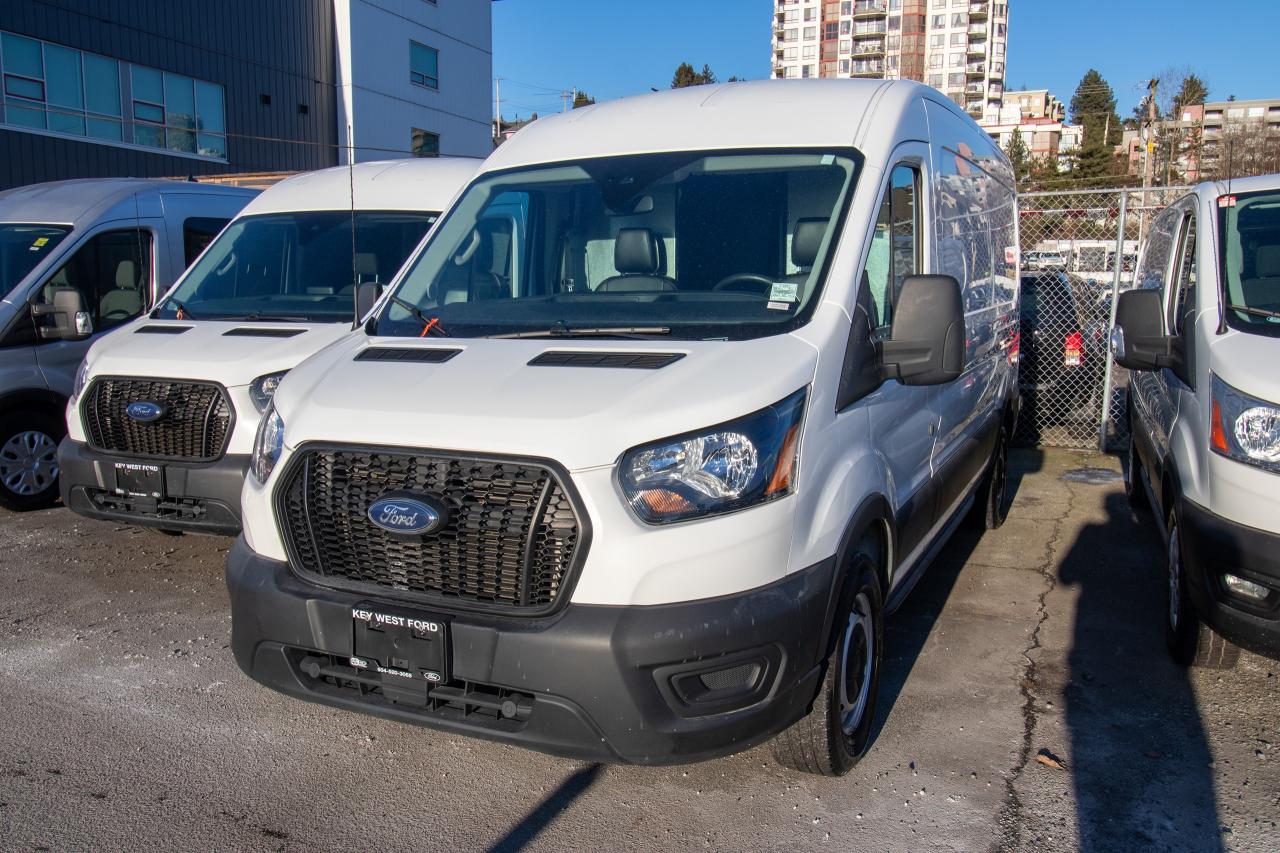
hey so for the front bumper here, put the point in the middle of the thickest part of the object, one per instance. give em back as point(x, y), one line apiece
point(198, 498)
point(601, 683)
point(1214, 545)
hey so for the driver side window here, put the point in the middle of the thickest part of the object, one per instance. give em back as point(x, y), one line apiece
point(894, 252)
point(112, 272)
point(1185, 281)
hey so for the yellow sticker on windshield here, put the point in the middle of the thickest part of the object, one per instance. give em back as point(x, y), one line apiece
point(40, 241)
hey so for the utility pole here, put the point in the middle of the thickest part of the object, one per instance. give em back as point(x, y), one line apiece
point(564, 95)
point(497, 108)
point(1149, 166)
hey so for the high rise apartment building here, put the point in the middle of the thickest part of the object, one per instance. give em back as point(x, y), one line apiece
point(956, 46)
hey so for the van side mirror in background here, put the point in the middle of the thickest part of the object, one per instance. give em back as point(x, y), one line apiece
point(367, 293)
point(1138, 341)
point(70, 321)
point(926, 341)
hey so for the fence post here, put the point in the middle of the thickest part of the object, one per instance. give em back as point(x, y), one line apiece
point(1115, 297)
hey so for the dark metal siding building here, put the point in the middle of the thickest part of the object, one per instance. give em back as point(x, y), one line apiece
point(246, 85)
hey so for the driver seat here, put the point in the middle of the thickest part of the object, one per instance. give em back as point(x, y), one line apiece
point(125, 300)
point(806, 240)
point(637, 256)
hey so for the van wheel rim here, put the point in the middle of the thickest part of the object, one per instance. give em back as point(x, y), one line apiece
point(29, 463)
point(1175, 578)
point(856, 665)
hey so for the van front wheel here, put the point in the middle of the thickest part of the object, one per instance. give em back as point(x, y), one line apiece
point(29, 459)
point(834, 735)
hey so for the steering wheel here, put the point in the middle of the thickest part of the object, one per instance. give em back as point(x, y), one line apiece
point(746, 282)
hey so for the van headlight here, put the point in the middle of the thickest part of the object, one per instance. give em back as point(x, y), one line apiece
point(268, 444)
point(82, 379)
point(728, 467)
point(262, 389)
point(1244, 428)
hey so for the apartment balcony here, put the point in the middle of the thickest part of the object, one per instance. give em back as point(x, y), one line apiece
point(869, 28)
point(976, 69)
point(870, 8)
point(868, 48)
point(869, 68)
point(977, 49)
point(973, 89)
point(978, 10)
point(976, 30)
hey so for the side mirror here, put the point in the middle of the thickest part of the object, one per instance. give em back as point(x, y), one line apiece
point(70, 321)
point(367, 293)
point(926, 341)
point(1138, 341)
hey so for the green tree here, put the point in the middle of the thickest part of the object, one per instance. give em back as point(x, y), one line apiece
point(1019, 156)
point(582, 99)
point(1094, 106)
point(1192, 92)
point(686, 76)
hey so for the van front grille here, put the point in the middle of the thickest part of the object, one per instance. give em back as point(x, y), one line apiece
point(194, 426)
point(509, 540)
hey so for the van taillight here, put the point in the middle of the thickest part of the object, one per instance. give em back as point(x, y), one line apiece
point(1015, 347)
point(1073, 349)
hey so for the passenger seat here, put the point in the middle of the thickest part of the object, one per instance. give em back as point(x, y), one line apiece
point(637, 256)
point(126, 300)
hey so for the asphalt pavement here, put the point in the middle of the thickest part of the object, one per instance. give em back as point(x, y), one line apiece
point(1027, 704)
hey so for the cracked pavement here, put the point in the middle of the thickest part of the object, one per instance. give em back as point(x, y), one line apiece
point(124, 722)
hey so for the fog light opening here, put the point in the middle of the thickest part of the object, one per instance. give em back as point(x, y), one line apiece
point(1244, 588)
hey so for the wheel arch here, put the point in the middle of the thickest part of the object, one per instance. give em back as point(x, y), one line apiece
point(40, 399)
point(872, 521)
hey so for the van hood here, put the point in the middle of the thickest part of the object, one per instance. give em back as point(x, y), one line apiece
point(229, 353)
point(488, 397)
point(1240, 359)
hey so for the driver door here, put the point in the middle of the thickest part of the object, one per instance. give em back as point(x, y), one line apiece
point(113, 271)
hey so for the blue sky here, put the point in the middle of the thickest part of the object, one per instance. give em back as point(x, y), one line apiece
point(612, 48)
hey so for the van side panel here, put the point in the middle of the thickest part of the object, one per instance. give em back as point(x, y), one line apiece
point(974, 216)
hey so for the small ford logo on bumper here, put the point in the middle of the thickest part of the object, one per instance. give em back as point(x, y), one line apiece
point(407, 514)
point(145, 411)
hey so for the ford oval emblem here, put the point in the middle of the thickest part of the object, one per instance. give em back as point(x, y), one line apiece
point(145, 411)
point(407, 514)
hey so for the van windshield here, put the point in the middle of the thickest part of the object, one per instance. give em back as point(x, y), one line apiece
point(295, 266)
point(689, 245)
point(1249, 232)
point(24, 246)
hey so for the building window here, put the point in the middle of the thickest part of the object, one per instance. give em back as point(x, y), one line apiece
point(424, 143)
point(424, 65)
point(51, 87)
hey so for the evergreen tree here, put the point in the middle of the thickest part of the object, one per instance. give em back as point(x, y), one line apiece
point(1192, 92)
point(1094, 106)
point(582, 99)
point(1019, 156)
point(686, 76)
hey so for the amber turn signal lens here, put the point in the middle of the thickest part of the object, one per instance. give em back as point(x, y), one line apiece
point(664, 502)
point(1217, 432)
point(781, 479)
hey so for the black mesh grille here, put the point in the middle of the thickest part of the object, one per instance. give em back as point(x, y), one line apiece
point(509, 539)
point(195, 426)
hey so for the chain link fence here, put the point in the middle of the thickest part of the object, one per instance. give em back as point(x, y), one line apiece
point(1079, 252)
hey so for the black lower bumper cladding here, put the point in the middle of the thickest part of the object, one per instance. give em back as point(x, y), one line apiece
point(660, 684)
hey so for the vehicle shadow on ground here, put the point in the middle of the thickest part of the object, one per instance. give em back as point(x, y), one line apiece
point(908, 629)
point(523, 833)
point(1139, 758)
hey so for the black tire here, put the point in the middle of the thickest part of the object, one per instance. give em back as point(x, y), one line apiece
point(1190, 641)
point(836, 732)
point(29, 459)
point(991, 501)
point(1133, 488)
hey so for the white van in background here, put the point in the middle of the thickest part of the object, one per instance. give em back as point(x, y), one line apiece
point(671, 409)
point(78, 259)
point(163, 415)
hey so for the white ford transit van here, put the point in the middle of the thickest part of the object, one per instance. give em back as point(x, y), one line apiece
point(78, 259)
point(669, 411)
point(163, 414)
point(1202, 335)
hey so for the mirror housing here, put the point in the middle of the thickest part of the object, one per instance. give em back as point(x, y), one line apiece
point(1138, 341)
point(927, 339)
point(367, 293)
point(71, 321)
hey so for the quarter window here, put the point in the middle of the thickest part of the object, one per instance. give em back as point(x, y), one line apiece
point(198, 232)
point(424, 143)
point(1186, 280)
point(424, 65)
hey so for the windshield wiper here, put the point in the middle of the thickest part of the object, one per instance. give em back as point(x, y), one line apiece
point(430, 325)
point(271, 318)
point(562, 331)
point(184, 313)
point(1259, 312)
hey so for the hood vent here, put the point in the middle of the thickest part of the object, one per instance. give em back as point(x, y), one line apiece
point(629, 360)
point(161, 330)
point(433, 355)
point(250, 332)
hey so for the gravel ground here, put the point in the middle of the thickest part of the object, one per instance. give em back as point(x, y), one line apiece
point(124, 722)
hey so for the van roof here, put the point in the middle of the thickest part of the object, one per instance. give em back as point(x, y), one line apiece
point(1211, 189)
point(87, 199)
point(755, 114)
point(420, 183)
